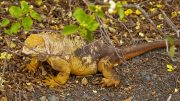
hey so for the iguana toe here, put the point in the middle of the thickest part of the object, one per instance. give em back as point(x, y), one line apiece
point(109, 82)
point(29, 68)
point(32, 66)
point(50, 82)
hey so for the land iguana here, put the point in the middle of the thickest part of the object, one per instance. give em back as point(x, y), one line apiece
point(74, 56)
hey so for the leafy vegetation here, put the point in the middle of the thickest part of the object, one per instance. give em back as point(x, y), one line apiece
point(87, 22)
point(23, 16)
point(3, 55)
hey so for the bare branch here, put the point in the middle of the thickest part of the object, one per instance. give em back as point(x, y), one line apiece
point(129, 31)
point(5, 65)
point(43, 30)
point(170, 23)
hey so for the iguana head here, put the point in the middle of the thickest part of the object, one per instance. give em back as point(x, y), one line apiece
point(34, 45)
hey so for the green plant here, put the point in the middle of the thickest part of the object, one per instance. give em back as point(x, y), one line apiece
point(23, 16)
point(3, 55)
point(97, 10)
point(87, 22)
point(172, 46)
point(170, 67)
point(120, 10)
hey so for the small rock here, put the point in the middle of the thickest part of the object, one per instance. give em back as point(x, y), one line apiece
point(43, 98)
point(141, 34)
point(76, 81)
point(53, 98)
point(94, 91)
point(69, 99)
point(86, 96)
point(148, 78)
point(105, 98)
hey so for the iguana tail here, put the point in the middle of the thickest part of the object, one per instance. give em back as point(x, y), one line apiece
point(133, 51)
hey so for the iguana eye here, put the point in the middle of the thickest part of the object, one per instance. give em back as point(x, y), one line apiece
point(36, 46)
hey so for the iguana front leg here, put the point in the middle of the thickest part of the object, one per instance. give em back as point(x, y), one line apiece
point(32, 66)
point(110, 76)
point(60, 65)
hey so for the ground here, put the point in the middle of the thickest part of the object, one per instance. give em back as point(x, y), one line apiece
point(142, 78)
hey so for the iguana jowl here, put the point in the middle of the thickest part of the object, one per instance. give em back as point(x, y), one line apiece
point(73, 56)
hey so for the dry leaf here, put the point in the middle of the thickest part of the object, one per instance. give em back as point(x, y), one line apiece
point(43, 70)
point(84, 81)
point(3, 99)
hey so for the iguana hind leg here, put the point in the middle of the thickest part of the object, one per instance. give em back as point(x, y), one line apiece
point(110, 76)
point(60, 65)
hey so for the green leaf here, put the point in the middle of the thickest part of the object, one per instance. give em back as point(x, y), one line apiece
point(100, 14)
point(3, 55)
point(172, 46)
point(70, 29)
point(120, 10)
point(7, 31)
point(91, 23)
point(93, 26)
point(86, 34)
point(80, 15)
point(87, 21)
point(170, 40)
point(97, 10)
point(15, 11)
point(172, 51)
point(38, 2)
point(15, 27)
point(121, 13)
point(170, 67)
point(27, 23)
point(5, 22)
point(35, 15)
point(92, 7)
point(89, 36)
point(24, 7)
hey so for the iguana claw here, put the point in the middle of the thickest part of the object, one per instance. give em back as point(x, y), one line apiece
point(32, 66)
point(109, 82)
point(50, 82)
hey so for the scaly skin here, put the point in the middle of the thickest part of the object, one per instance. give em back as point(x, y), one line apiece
point(74, 56)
